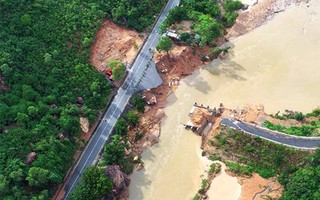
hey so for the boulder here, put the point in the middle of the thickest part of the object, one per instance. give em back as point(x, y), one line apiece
point(139, 167)
point(120, 180)
point(146, 108)
point(136, 158)
point(80, 101)
point(127, 152)
point(154, 133)
point(84, 124)
point(30, 158)
point(159, 114)
point(152, 100)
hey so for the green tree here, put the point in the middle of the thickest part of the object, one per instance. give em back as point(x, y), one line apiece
point(185, 36)
point(38, 177)
point(133, 118)
point(138, 102)
point(114, 151)
point(4, 185)
point(42, 196)
point(164, 44)
point(208, 28)
point(232, 5)
point(304, 184)
point(94, 185)
point(121, 126)
point(230, 18)
point(118, 69)
point(26, 19)
point(47, 58)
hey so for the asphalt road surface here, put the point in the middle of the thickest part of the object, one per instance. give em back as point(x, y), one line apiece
point(105, 127)
point(273, 136)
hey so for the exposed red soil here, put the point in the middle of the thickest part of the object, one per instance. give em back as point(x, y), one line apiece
point(114, 42)
point(257, 187)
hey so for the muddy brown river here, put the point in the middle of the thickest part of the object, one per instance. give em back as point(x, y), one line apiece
point(276, 65)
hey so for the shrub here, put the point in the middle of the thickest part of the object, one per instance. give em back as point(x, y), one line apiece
point(138, 102)
point(120, 127)
point(118, 69)
point(138, 136)
point(133, 118)
point(231, 5)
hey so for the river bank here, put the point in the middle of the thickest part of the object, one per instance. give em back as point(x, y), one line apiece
point(199, 81)
point(181, 63)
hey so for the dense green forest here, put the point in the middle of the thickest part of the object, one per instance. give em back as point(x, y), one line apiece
point(304, 183)
point(44, 61)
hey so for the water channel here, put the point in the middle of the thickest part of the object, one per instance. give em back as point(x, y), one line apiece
point(276, 65)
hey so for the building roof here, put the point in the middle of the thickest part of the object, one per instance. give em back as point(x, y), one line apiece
point(173, 35)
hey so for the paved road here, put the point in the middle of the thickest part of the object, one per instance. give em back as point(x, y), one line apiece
point(274, 136)
point(104, 129)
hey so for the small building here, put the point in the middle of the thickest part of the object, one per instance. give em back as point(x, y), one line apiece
point(199, 118)
point(172, 35)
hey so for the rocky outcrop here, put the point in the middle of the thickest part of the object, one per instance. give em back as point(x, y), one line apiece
point(84, 124)
point(159, 114)
point(3, 87)
point(120, 181)
point(154, 133)
point(30, 158)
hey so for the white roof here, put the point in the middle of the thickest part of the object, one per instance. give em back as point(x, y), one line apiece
point(173, 35)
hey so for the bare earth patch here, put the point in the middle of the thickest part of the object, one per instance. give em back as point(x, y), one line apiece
point(257, 188)
point(114, 42)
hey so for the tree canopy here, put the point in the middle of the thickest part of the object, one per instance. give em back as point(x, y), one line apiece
point(164, 44)
point(303, 184)
point(44, 53)
point(118, 69)
point(94, 185)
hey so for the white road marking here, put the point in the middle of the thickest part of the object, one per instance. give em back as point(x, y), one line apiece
point(108, 120)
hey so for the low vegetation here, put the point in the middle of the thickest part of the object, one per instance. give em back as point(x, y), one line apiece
point(252, 154)
point(214, 169)
point(309, 127)
point(305, 130)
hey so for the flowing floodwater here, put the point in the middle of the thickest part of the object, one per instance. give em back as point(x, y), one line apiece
point(276, 65)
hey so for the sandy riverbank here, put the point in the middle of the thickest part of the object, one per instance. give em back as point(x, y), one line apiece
point(224, 186)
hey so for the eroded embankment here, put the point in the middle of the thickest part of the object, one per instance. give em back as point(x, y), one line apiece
point(200, 87)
